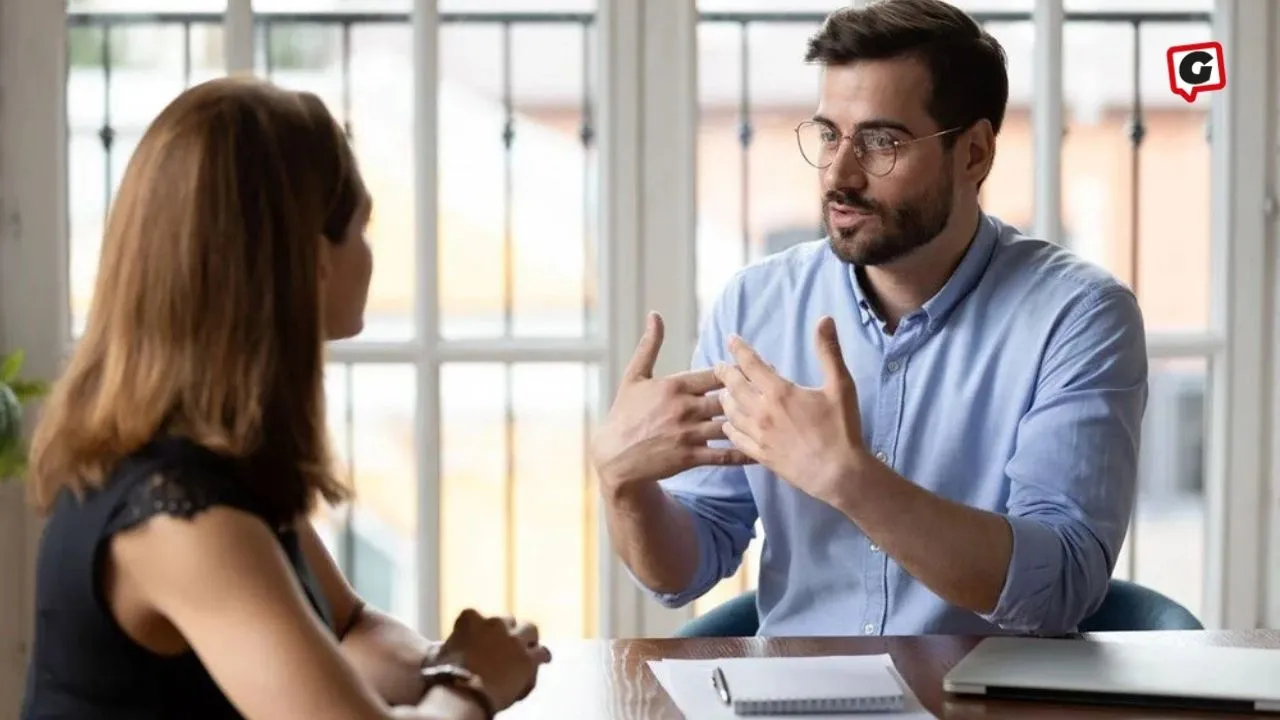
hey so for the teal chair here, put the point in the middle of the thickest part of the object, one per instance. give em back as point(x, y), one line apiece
point(1127, 606)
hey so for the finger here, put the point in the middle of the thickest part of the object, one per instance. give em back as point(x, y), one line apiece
point(705, 455)
point(697, 382)
point(495, 625)
point(835, 373)
point(705, 408)
point(527, 632)
point(743, 442)
point(735, 381)
point(704, 432)
point(466, 619)
point(540, 655)
point(646, 355)
point(731, 407)
point(752, 365)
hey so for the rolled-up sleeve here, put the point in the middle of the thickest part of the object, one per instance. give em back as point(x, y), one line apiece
point(719, 498)
point(1073, 473)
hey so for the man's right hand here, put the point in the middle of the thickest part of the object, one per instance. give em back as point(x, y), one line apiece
point(659, 427)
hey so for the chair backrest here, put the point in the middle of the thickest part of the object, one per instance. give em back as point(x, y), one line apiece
point(1127, 607)
point(1130, 606)
point(737, 617)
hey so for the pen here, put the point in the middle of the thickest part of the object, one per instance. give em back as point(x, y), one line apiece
point(721, 685)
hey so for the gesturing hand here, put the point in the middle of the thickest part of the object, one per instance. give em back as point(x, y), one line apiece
point(658, 427)
point(806, 436)
point(505, 655)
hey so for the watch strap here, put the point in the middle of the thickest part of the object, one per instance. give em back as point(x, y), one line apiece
point(461, 680)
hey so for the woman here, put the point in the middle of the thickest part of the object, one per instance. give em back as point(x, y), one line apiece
point(182, 451)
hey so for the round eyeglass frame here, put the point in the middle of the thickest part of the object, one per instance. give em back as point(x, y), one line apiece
point(893, 162)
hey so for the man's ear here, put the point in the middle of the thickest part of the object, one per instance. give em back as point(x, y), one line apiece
point(980, 143)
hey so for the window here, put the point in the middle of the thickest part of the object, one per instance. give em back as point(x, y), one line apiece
point(461, 414)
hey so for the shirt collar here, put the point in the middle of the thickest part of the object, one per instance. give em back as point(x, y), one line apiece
point(965, 277)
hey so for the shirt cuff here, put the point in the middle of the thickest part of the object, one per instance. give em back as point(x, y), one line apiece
point(703, 574)
point(1035, 569)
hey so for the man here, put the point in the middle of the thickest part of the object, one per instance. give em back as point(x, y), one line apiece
point(963, 458)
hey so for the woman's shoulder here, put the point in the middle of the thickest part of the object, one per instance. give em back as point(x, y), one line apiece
point(175, 476)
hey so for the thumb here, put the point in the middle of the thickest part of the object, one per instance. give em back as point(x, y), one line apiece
point(834, 372)
point(646, 355)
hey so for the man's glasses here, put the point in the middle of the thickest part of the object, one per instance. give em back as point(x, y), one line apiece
point(876, 149)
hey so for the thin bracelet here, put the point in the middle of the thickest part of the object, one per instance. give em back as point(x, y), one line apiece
point(352, 620)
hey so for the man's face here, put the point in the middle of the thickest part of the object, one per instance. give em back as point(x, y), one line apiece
point(871, 219)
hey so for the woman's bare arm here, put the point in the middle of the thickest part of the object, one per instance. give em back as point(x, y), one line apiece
point(385, 652)
point(225, 584)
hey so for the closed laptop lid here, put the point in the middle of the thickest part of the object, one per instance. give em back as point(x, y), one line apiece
point(1130, 673)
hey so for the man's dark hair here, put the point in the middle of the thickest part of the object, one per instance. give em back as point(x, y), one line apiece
point(966, 64)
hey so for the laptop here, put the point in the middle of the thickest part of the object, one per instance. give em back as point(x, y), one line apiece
point(1217, 679)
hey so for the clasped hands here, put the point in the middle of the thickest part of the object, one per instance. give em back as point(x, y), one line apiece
point(810, 437)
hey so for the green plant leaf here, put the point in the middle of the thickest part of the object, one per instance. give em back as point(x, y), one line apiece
point(28, 390)
point(12, 461)
point(10, 365)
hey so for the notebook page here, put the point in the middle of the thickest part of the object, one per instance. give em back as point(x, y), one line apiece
point(816, 678)
point(688, 683)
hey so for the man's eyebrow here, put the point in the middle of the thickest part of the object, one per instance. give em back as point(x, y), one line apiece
point(872, 124)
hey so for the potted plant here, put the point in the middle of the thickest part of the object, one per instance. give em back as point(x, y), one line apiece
point(15, 394)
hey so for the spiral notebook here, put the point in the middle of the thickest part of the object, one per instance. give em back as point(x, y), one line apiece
point(811, 687)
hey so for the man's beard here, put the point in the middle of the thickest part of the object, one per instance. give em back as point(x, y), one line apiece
point(903, 229)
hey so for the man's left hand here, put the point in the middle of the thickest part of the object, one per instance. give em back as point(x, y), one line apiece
point(810, 437)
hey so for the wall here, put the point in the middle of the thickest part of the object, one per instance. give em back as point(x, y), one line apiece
point(31, 112)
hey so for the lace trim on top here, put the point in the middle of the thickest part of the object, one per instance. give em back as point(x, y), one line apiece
point(179, 493)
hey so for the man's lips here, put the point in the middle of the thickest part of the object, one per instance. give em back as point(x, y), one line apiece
point(845, 216)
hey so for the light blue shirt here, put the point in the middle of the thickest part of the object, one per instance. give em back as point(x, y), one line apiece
point(1019, 389)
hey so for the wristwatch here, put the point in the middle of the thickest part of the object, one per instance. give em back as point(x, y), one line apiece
point(460, 679)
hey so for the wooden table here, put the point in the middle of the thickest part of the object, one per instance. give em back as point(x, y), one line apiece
point(610, 679)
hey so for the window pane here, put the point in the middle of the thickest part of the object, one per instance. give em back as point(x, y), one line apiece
point(826, 6)
point(516, 254)
point(767, 198)
point(1138, 5)
point(371, 417)
point(1166, 545)
point(1009, 190)
point(118, 80)
point(364, 74)
point(1099, 185)
point(517, 502)
point(501, 6)
point(147, 5)
point(343, 6)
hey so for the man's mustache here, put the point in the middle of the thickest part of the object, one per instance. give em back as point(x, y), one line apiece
point(850, 199)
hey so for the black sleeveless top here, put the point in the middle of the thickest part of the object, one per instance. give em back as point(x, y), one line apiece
point(83, 665)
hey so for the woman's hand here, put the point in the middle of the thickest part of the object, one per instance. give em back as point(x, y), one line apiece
point(504, 654)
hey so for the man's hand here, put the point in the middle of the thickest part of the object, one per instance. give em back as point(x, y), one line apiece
point(658, 427)
point(810, 437)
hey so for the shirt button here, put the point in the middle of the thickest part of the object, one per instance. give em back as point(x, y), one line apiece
point(892, 366)
point(882, 457)
point(869, 629)
point(875, 548)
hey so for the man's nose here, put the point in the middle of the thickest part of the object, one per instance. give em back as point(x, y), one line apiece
point(845, 171)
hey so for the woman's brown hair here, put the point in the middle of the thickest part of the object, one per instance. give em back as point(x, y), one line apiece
point(207, 316)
